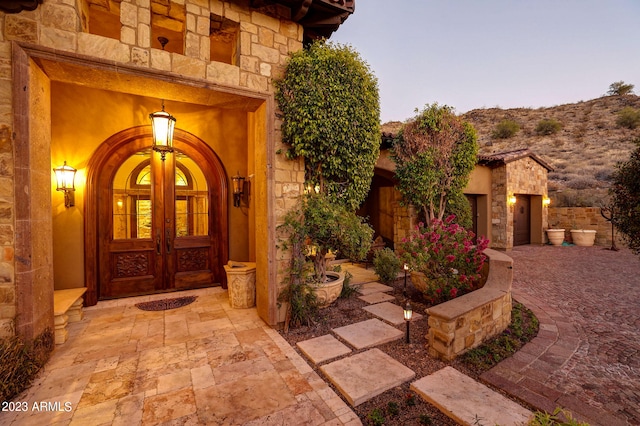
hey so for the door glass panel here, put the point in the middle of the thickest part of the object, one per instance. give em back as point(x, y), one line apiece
point(131, 188)
point(192, 201)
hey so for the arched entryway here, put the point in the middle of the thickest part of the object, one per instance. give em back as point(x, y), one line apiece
point(154, 225)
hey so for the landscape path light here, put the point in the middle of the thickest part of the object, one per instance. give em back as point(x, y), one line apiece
point(408, 314)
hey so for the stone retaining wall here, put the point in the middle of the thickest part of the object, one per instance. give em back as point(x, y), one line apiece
point(465, 322)
point(583, 218)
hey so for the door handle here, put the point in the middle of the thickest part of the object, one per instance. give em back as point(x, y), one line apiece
point(168, 239)
point(158, 243)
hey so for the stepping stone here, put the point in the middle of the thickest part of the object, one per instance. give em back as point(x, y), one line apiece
point(377, 297)
point(465, 400)
point(358, 377)
point(323, 348)
point(360, 274)
point(369, 288)
point(390, 312)
point(368, 333)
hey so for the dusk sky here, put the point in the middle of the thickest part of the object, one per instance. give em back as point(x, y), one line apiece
point(494, 53)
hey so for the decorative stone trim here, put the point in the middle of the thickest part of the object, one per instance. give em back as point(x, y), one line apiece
point(465, 322)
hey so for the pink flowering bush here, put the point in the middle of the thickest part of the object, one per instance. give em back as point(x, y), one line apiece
point(446, 254)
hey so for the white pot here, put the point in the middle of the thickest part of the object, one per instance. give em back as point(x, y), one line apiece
point(329, 291)
point(556, 236)
point(583, 237)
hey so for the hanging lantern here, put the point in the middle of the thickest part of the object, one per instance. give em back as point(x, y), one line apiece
point(163, 124)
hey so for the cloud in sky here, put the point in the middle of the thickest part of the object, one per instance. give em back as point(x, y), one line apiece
point(473, 54)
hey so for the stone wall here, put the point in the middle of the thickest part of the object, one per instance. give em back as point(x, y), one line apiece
point(524, 176)
point(583, 218)
point(264, 45)
point(465, 322)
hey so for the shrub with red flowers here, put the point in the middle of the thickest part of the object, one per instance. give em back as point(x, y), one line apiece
point(446, 254)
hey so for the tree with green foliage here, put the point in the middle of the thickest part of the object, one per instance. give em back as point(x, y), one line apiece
point(434, 153)
point(505, 129)
point(331, 117)
point(620, 88)
point(626, 199)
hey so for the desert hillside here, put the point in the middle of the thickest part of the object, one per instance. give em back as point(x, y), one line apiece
point(583, 152)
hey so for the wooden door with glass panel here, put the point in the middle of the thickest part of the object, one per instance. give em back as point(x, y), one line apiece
point(155, 233)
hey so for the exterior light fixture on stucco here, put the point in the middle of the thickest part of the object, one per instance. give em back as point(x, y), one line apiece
point(546, 201)
point(163, 124)
point(238, 189)
point(408, 314)
point(511, 200)
point(65, 176)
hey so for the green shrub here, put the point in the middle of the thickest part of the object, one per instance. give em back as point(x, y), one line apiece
point(628, 118)
point(387, 265)
point(20, 362)
point(505, 129)
point(376, 417)
point(548, 126)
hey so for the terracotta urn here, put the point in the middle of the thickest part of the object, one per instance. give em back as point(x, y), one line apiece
point(583, 237)
point(329, 291)
point(556, 236)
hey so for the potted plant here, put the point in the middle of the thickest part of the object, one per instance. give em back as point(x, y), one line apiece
point(556, 236)
point(583, 237)
point(311, 231)
point(443, 259)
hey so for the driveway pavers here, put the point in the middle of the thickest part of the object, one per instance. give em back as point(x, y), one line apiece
point(586, 357)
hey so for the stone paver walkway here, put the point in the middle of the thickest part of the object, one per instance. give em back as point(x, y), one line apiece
point(365, 334)
point(359, 378)
point(586, 357)
point(469, 402)
point(204, 363)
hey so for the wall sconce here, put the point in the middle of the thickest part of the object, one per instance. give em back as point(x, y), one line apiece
point(65, 176)
point(238, 189)
point(163, 124)
point(511, 200)
point(546, 201)
point(408, 314)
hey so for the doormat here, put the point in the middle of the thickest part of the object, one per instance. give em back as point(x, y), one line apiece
point(165, 304)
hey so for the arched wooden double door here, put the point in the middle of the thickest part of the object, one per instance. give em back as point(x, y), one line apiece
point(160, 224)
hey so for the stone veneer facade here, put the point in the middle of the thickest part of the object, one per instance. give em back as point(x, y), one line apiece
point(26, 277)
point(523, 176)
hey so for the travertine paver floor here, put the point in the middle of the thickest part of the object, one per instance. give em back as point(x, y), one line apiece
point(587, 355)
point(204, 363)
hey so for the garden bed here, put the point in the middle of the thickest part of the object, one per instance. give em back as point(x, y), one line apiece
point(399, 405)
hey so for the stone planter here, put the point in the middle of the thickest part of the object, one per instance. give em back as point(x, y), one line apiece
point(419, 281)
point(556, 236)
point(241, 282)
point(583, 237)
point(328, 292)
